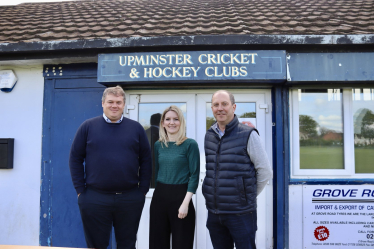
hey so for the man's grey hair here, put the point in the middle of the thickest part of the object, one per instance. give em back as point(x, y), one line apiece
point(231, 96)
point(116, 91)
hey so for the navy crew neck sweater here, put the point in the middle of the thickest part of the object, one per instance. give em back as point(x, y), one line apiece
point(111, 157)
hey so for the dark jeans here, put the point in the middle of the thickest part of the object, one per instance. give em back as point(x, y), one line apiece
point(227, 229)
point(100, 211)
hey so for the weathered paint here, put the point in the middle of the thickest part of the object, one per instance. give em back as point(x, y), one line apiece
point(65, 108)
point(186, 41)
point(333, 67)
point(71, 96)
point(280, 162)
point(65, 71)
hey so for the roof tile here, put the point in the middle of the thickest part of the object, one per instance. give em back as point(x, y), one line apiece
point(88, 19)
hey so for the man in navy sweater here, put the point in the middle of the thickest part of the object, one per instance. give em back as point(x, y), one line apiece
point(111, 167)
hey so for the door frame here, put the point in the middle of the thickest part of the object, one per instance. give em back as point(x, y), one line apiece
point(259, 98)
point(266, 136)
point(133, 113)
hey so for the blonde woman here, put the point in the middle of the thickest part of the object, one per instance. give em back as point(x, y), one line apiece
point(177, 166)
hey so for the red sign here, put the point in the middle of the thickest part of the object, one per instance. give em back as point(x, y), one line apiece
point(321, 233)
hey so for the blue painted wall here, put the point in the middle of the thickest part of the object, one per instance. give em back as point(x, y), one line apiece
point(280, 134)
point(68, 102)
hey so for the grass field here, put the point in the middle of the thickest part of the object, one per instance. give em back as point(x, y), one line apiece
point(321, 157)
point(364, 160)
point(326, 157)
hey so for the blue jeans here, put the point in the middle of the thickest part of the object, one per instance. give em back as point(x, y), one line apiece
point(227, 229)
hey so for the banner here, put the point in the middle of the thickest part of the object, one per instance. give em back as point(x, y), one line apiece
point(338, 216)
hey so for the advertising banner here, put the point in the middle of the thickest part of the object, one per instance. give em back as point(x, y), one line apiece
point(338, 216)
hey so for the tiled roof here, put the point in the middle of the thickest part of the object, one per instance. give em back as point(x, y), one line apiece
point(103, 19)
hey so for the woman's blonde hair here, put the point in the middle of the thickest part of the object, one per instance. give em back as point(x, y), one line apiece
point(181, 135)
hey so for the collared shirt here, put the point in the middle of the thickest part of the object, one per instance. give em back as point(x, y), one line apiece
point(109, 121)
point(258, 156)
point(216, 128)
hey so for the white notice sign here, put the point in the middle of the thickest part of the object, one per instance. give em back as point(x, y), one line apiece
point(338, 216)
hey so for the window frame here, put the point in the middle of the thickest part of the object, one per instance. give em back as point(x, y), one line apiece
point(348, 147)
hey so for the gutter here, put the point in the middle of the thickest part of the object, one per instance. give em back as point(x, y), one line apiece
point(186, 41)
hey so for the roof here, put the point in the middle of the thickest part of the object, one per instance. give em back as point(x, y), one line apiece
point(88, 27)
point(104, 19)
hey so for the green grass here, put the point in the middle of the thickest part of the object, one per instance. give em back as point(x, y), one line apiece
point(331, 157)
point(364, 160)
point(321, 157)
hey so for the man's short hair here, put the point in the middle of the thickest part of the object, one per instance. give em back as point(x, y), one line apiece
point(155, 119)
point(231, 96)
point(116, 91)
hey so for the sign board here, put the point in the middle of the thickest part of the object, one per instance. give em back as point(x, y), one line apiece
point(338, 216)
point(261, 65)
point(322, 67)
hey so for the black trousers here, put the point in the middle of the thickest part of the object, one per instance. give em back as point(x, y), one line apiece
point(166, 201)
point(100, 211)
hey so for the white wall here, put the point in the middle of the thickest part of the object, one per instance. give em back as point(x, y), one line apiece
point(295, 216)
point(21, 119)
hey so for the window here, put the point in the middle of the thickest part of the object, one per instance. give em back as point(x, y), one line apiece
point(363, 124)
point(332, 132)
point(149, 118)
point(246, 113)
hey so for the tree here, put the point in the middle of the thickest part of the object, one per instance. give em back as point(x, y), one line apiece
point(307, 126)
point(367, 125)
point(323, 131)
point(248, 115)
point(209, 122)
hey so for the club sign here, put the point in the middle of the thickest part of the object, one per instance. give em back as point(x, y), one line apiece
point(193, 66)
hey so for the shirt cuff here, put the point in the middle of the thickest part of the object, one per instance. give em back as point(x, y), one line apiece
point(192, 190)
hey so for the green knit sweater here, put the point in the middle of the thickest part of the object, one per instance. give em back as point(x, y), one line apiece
point(178, 164)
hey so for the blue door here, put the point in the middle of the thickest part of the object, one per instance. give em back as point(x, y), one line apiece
point(67, 103)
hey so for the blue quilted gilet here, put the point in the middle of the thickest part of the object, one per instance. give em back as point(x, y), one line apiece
point(230, 183)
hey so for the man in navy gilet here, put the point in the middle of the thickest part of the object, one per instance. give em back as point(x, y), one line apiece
point(237, 170)
point(111, 166)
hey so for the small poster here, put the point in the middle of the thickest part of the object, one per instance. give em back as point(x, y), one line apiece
point(338, 216)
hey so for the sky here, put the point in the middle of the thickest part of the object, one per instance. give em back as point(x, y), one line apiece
point(15, 2)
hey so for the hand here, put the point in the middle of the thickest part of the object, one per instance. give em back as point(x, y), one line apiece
point(79, 195)
point(183, 211)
